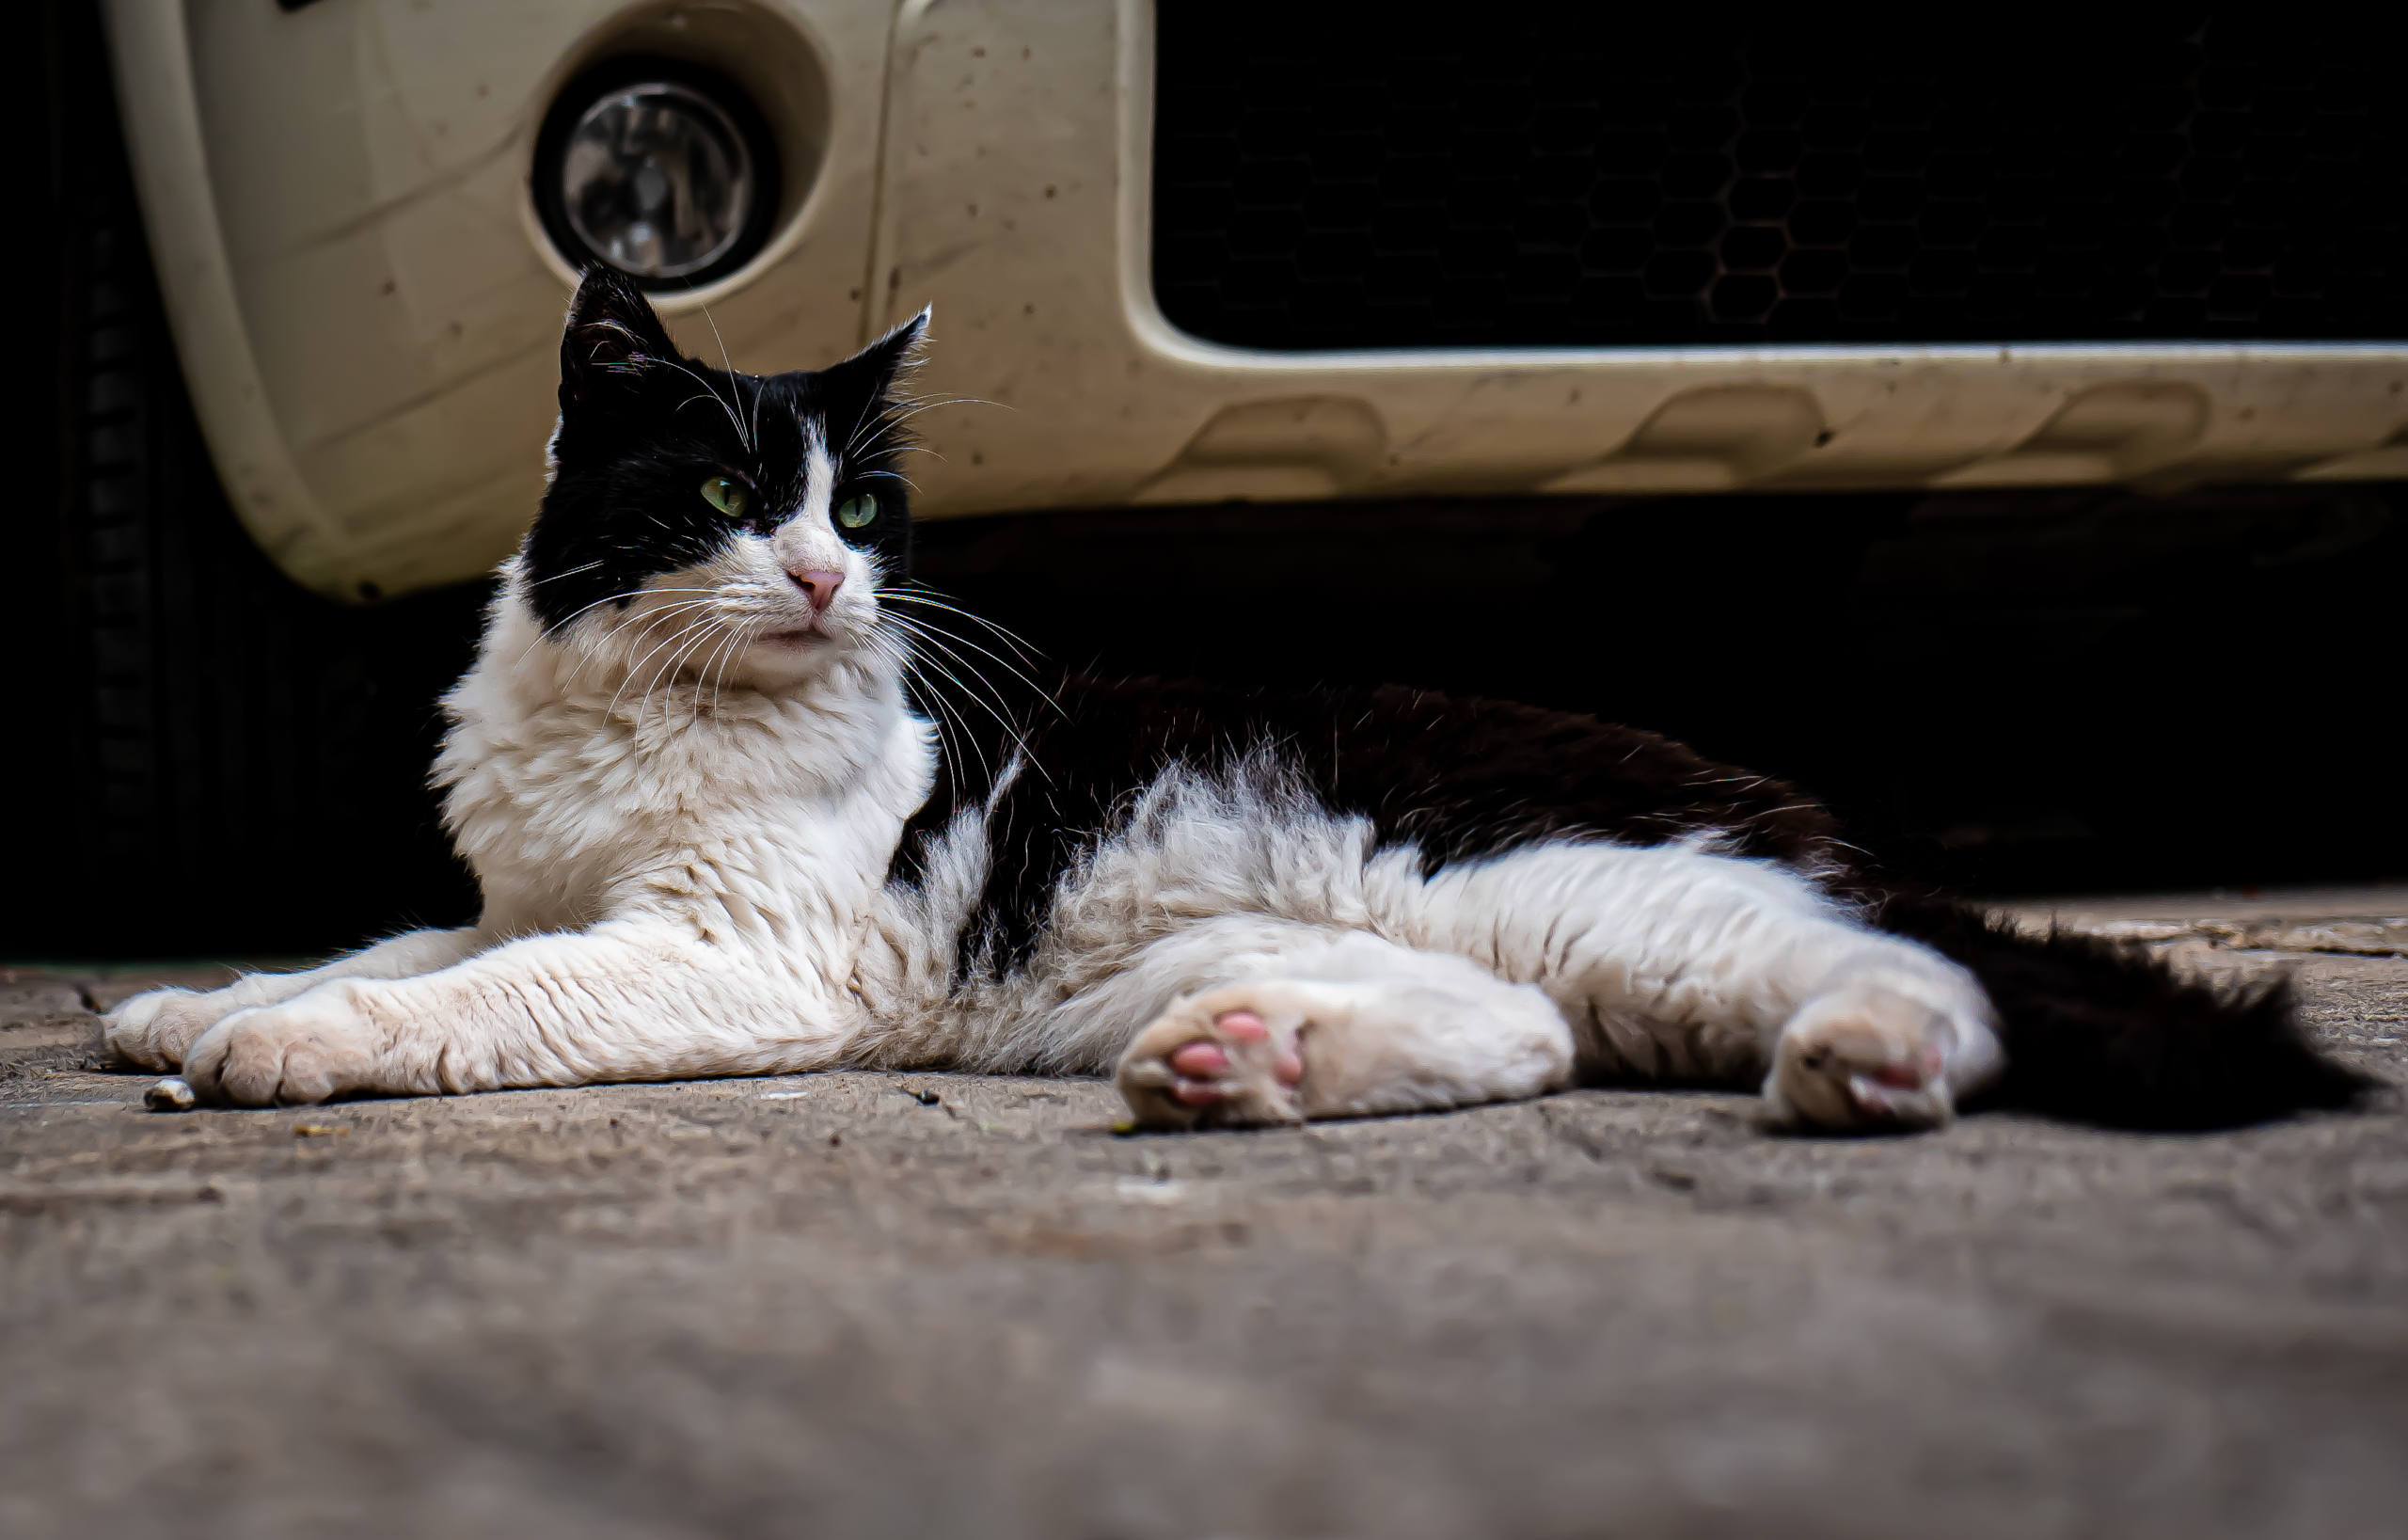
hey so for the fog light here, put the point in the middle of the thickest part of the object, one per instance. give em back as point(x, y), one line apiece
point(662, 171)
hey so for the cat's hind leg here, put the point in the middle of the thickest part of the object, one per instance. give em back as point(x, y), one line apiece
point(1681, 964)
point(1357, 1027)
point(154, 1030)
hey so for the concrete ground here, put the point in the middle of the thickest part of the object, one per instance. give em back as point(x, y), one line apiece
point(862, 1304)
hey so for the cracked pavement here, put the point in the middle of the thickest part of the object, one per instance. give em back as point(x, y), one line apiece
point(931, 1304)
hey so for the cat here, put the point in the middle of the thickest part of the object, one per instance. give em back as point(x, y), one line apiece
point(720, 829)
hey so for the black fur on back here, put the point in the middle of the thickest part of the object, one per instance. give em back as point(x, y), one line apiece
point(1460, 778)
point(2093, 1031)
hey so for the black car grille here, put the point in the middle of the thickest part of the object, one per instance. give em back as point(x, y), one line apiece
point(1511, 181)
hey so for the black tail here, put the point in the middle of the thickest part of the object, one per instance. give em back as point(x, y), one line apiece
point(2102, 1033)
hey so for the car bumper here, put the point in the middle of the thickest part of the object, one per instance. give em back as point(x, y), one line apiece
point(367, 310)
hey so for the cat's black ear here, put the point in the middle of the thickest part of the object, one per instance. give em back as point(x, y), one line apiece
point(892, 355)
point(611, 339)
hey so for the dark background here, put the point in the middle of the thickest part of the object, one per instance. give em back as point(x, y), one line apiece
point(1732, 175)
point(2042, 691)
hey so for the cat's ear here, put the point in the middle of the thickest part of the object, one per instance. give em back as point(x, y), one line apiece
point(611, 339)
point(893, 356)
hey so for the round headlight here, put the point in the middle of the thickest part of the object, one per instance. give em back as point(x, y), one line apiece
point(660, 171)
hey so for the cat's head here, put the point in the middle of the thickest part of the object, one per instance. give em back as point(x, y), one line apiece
point(704, 522)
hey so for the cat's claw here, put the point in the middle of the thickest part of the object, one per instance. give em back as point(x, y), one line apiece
point(1213, 1060)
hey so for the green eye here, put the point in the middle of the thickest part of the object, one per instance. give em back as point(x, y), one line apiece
point(728, 497)
point(855, 511)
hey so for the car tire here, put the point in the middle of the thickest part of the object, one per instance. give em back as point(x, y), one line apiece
point(226, 763)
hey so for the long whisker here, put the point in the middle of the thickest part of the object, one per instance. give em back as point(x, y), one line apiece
point(894, 411)
point(945, 711)
point(653, 652)
point(1000, 661)
point(733, 420)
point(703, 674)
point(551, 632)
point(993, 707)
point(899, 654)
point(1025, 650)
point(647, 619)
point(728, 365)
point(923, 664)
point(570, 573)
point(669, 671)
point(862, 424)
point(927, 696)
point(916, 592)
point(927, 629)
point(938, 640)
point(724, 659)
point(629, 677)
point(880, 417)
point(922, 693)
point(926, 403)
point(631, 594)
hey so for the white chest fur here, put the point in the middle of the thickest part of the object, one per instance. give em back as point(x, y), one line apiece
point(761, 821)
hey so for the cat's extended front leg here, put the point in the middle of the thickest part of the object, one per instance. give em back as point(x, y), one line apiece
point(624, 1001)
point(154, 1030)
point(1343, 1026)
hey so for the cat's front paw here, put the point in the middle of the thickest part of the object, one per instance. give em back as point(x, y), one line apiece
point(1864, 1058)
point(315, 1046)
point(154, 1031)
point(1229, 1057)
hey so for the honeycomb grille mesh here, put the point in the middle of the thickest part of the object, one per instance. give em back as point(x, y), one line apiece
point(1512, 183)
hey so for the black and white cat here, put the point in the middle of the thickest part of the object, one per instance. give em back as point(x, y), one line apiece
point(715, 837)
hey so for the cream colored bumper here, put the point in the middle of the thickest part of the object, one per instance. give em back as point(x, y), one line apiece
point(367, 310)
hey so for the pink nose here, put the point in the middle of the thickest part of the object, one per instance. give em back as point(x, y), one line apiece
point(822, 586)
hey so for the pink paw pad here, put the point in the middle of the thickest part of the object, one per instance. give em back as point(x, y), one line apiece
point(1245, 1026)
point(1196, 1064)
point(1201, 1058)
point(1200, 1064)
point(1911, 1077)
point(1218, 1062)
